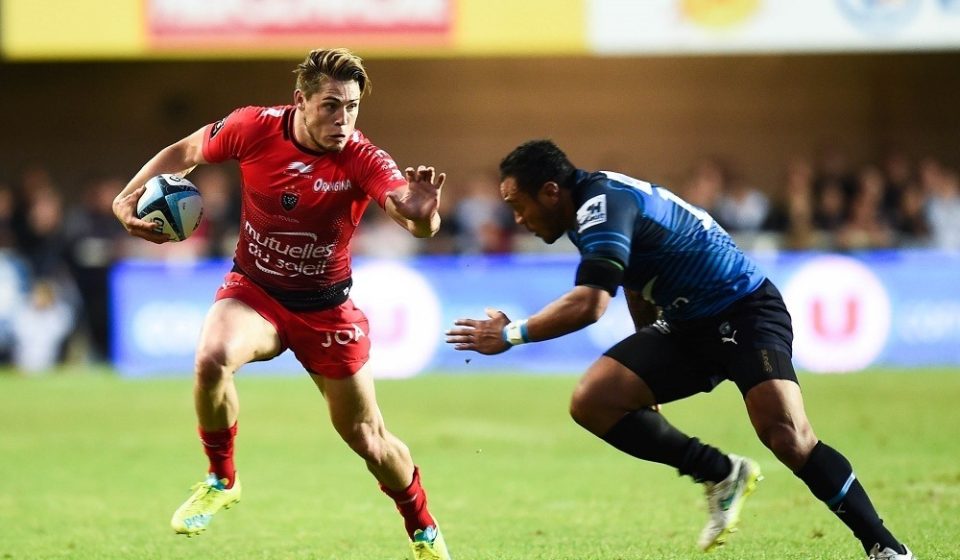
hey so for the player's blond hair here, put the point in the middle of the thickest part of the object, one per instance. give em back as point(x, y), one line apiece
point(324, 64)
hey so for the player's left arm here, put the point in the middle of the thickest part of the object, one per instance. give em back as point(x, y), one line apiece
point(416, 207)
point(580, 307)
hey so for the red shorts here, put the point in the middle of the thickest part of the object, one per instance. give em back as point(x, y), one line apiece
point(331, 342)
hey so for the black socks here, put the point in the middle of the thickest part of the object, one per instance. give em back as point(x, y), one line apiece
point(646, 434)
point(830, 477)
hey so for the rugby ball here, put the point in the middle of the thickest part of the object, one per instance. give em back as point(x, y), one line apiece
point(173, 203)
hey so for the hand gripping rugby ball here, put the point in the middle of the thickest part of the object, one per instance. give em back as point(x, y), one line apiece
point(173, 203)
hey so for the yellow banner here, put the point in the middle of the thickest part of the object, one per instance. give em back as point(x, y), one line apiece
point(65, 29)
point(123, 29)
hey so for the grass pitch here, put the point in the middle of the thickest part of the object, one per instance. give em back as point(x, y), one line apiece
point(92, 466)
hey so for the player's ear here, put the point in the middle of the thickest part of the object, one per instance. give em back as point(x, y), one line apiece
point(299, 99)
point(550, 191)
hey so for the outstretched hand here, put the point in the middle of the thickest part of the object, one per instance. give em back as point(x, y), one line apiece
point(480, 335)
point(421, 199)
point(125, 209)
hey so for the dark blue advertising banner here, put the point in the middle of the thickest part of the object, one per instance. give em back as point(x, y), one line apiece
point(895, 308)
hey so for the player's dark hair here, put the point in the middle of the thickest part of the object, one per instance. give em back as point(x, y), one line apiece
point(537, 162)
point(323, 64)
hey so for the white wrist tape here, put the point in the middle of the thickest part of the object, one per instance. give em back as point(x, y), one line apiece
point(516, 332)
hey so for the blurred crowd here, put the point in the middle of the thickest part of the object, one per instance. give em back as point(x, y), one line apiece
point(827, 204)
point(58, 242)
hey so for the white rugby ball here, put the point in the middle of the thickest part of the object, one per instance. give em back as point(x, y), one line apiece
point(173, 203)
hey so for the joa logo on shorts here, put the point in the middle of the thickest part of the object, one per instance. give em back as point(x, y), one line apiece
point(343, 336)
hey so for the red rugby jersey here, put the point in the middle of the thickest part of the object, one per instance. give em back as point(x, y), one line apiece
point(299, 207)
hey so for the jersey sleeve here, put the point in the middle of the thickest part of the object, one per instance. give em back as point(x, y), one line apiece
point(605, 223)
point(225, 139)
point(376, 172)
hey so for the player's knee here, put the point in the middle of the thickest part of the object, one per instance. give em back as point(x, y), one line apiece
point(790, 443)
point(366, 442)
point(210, 366)
point(581, 406)
point(589, 412)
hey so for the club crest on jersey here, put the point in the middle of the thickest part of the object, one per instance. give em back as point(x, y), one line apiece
point(289, 200)
point(592, 212)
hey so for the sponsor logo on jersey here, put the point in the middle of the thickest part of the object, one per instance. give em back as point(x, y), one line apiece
point(289, 200)
point(332, 186)
point(217, 127)
point(298, 169)
point(287, 253)
point(592, 212)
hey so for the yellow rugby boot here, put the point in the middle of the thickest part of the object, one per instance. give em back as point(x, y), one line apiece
point(209, 497)
point(427, 544)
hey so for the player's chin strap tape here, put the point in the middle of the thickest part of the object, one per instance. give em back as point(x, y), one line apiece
point(600, 273)
point(516, 332)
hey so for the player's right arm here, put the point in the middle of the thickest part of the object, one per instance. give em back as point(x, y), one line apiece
point(180, 158)
point(580, 307)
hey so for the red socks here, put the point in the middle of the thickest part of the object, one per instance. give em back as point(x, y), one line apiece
point(218, 445)
point(412, 504)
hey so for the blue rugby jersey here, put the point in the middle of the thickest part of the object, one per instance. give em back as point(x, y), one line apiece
point(672, 252)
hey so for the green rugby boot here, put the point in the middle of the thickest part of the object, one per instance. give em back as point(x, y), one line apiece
point(209, 497)
point(427, 544)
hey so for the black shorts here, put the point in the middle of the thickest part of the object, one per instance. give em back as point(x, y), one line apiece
point(748, 342)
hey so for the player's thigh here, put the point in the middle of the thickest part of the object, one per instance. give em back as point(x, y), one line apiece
point(606, 392)
point(234, 334)
point(352, 402)
point(608, 384)
point(669, 365)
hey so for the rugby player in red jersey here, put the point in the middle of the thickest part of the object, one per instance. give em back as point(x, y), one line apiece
point(307, 177)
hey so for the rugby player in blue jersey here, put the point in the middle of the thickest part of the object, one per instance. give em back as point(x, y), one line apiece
point(704, 314)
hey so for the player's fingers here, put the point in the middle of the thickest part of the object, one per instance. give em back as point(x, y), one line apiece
point(426, 174)
point(440, 179)
point(151, 236)
point(410, 173)
point(144, 224)
point(472, 323)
